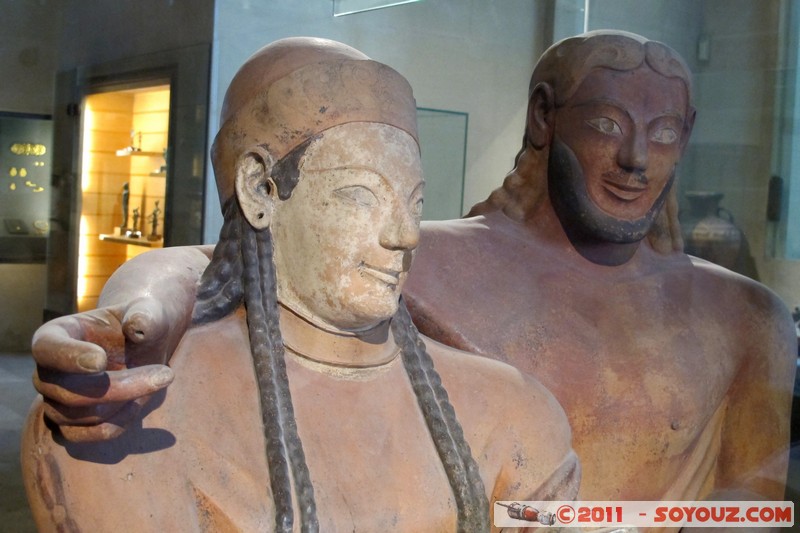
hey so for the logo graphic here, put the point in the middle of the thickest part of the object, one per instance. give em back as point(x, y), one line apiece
point(518, 511)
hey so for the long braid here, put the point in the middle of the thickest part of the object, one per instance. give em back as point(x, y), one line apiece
point(454, 452)
point(274, 357)
point(246, 255)
point(220, 290)
point(263, 362)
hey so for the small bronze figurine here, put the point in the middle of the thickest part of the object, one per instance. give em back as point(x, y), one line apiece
point(154, 236)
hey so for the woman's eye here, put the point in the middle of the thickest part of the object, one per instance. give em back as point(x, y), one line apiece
point(358, 195)
point(664, 136)
point(605, 125)
point(416, 208)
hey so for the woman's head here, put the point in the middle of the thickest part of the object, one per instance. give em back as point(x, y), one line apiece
point(344, 239)
point(318, 144)
point(318, 170)
point(292, 90)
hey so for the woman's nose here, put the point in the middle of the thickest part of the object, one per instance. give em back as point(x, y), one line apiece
point(401, 231)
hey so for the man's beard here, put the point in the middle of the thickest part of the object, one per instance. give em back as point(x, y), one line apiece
point(580, 217)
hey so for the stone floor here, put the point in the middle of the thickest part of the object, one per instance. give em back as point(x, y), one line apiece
point(16, 395)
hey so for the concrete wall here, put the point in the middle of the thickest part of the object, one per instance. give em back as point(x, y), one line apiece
point(97, 31)
point(470, 56)
point(28, 55)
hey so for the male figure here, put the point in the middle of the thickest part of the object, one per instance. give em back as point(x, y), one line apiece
point(675, 374)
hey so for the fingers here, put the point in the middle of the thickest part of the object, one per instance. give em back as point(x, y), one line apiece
point(100, 432)
point(80, 416)
point(81, 390)
point(107, 430)
point(57, 346)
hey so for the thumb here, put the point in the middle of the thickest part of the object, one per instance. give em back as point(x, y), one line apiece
point(146, 332)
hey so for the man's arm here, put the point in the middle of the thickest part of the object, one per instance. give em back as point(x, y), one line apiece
point(95, 370)
point(754, 452)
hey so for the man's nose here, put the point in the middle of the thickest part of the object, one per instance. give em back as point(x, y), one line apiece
point(632, 154)
point(401, 231)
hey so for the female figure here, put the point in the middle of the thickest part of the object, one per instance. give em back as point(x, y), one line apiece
point(304, 397)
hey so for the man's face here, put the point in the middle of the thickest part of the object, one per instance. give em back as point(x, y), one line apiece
point(616, 144)
point(345, 237)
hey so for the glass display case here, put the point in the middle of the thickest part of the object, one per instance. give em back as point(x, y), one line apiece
point(25, 166)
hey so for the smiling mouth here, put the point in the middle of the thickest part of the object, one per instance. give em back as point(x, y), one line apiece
point(390, 277)
point(627, 193)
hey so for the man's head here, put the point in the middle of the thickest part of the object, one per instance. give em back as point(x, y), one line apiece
point(566, 63)
point(614, 112)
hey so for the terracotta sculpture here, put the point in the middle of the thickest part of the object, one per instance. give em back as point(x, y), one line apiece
point(303, 397)
point(676, 375)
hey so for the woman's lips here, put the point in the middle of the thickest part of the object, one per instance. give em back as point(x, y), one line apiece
point(390, 277)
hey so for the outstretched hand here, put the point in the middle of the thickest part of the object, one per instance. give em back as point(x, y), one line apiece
point(97, 369)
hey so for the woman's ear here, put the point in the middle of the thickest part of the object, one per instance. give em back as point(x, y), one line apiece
point(541, 115)
point(255, 189)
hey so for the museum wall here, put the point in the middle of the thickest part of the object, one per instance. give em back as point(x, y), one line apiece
point(127, 29)
point(28, 55)
point(43, 36)
point(469, 56)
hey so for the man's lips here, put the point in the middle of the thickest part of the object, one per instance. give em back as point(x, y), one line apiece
point(624, 192)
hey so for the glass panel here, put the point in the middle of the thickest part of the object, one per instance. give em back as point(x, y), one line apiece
point(348, 7)
point(784, 238)
point(731, 49)
point(443, 140)
point(569, 18)
point(25, 167)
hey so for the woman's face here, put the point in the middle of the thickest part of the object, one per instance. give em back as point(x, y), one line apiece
point(345, 238)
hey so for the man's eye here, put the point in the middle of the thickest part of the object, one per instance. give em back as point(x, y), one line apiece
point(664, 136)
point(358, 195)
point(605, 125)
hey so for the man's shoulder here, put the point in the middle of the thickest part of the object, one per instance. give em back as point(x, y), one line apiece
point(491, 385)
point(476, 228)
point(447, 232)
point(750, 314)
point(752, 295)
point(484, 242)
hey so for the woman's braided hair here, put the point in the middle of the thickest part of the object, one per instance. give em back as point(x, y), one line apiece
point(242, 271)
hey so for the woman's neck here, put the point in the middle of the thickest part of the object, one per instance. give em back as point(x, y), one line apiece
point(370, 348)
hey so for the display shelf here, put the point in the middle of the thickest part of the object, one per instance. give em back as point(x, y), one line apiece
point(141, 241)
point(127, 152)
